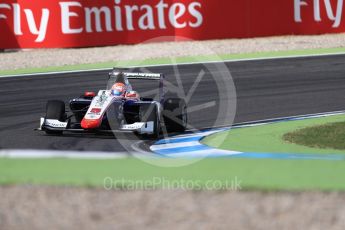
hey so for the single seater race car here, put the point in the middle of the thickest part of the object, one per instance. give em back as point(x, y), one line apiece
point(118, 109)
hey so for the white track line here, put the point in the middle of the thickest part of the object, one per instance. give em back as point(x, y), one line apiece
point(181, 64)
point(269, 120)
point(44, 154)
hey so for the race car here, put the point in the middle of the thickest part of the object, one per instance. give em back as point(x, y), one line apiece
point(118, 109)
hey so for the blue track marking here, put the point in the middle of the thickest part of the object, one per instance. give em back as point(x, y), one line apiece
point(178, 140)
point(289, 156)
point(183, 149)
point(189, 145)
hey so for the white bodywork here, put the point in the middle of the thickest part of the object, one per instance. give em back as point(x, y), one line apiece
point(100, 104)
point(56, 124)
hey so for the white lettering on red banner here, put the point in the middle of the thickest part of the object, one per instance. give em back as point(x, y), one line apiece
point(334, 15)
point(76, 23)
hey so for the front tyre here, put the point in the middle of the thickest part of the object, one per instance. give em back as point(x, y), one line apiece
point(55, 110)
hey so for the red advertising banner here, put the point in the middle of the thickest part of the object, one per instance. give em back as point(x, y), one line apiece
point(83, 23)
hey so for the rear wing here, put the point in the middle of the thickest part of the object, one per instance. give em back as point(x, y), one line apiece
point(136, 75)
point(142, 76)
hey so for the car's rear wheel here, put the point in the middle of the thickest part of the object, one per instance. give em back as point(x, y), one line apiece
point(175, 115)
point(55, 110)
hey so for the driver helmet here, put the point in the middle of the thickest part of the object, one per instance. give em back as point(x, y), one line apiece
point(118, 89)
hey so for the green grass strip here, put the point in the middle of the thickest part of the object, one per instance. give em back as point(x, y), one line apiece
point(269, 138)
point(250, 174)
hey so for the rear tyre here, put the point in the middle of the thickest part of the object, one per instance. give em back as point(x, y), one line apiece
point(175, 115)
point(55, 110)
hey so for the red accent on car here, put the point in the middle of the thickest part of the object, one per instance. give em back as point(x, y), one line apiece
point(90, 124)
point(95, 110)
point(131, 95)
point(89, 94)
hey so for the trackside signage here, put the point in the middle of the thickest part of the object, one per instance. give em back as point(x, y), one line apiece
point(60, 23)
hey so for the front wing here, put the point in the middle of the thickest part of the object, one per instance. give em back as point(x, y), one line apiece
point(56, 125)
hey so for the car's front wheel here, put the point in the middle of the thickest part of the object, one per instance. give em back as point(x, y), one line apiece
point(55, 110)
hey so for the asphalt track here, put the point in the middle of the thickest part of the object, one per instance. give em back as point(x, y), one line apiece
point(265, 89)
